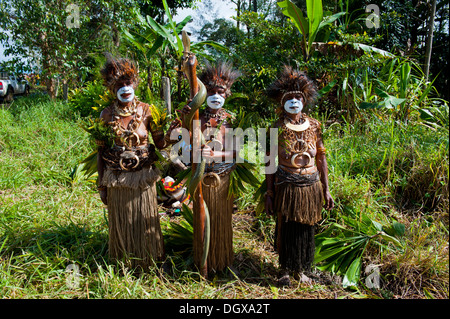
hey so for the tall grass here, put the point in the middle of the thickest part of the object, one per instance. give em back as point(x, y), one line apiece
point(407, 161)
point(388, 170)
point(50, 224)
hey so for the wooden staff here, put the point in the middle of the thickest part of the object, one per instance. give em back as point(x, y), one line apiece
point(190, 69)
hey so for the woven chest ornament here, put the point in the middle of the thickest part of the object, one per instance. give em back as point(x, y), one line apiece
point(298, 137)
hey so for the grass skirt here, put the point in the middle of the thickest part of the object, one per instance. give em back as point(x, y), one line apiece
point(220, 208)
point(298, 209)
point(300, 204)
point(134, 229)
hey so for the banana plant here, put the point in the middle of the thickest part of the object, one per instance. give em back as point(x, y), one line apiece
point(153, 38)
point(177, 44)
point(310, 25)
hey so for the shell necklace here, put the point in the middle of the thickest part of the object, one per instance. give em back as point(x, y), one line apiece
point(128, 134)
point(299, 147)
point(296, 127)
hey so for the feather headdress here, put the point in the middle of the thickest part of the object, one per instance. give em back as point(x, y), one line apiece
point(118, 70)
point(220, 75)
point(292, 80)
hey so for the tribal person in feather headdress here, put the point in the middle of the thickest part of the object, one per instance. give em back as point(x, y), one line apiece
point(126, 170)
point(297, 191)
point(218, 80)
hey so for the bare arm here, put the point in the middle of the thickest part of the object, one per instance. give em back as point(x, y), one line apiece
point(322, 166)
point(161, 140)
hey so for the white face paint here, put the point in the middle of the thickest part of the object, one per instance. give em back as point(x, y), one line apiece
point(293, 106)
point(123, 91)
point(215, 101)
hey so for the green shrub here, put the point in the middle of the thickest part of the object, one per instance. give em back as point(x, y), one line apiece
point(90, 99)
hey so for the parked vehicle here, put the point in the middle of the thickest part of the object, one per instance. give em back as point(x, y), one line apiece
point(11, 85)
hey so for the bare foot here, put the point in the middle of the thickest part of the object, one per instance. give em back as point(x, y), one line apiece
point(284, 279)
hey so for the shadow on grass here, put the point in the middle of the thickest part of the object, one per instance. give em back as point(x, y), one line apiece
point(58, 243)
point(253, 269)
point(61, 245)
point(248, 267)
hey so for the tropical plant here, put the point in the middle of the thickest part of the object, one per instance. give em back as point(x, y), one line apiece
point(62, 36)
point(436, 115)
point(159, 117)
point(152, 38)
point(402, 88)
point(85, 171)
point(340, 248)
point(90, 99)
point(309, 26)
point(98, 130)
point(179, 235)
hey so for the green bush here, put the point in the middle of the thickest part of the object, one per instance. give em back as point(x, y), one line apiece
point(90, 99)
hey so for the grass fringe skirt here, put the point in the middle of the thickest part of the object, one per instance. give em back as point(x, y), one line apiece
point(135, 235)
point(299, 204)
point(220, 208)
point(298, 209)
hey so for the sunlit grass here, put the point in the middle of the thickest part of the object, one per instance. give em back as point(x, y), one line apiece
point(49, 222)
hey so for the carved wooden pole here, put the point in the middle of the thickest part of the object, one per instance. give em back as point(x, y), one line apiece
point(190, 68)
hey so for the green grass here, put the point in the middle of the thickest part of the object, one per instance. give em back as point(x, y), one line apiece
point(48, 222)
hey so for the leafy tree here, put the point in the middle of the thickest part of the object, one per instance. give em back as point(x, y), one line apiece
point(155, 8)
point(153, 39)
point(403, 30)
point(60, 33)
point(67, 37)
point(311, 25)
point(223, 31)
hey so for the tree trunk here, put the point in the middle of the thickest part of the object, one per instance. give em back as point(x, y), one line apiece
point(149, 78)
point(166, 91)
point(179, 79)
point(56, 87)
point(50, 85)
point(429, 43)
point(46, 66)
point(65, 89)
point(238, 14)
point(163, 73)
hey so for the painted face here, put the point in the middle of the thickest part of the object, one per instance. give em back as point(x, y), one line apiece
point(125, 94)
point(215, 101)
point(293, 106)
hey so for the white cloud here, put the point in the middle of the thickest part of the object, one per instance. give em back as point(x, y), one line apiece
point(205, 11)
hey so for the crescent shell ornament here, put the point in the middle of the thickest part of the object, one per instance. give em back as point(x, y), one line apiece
point(302, 154)
point(297, 127)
